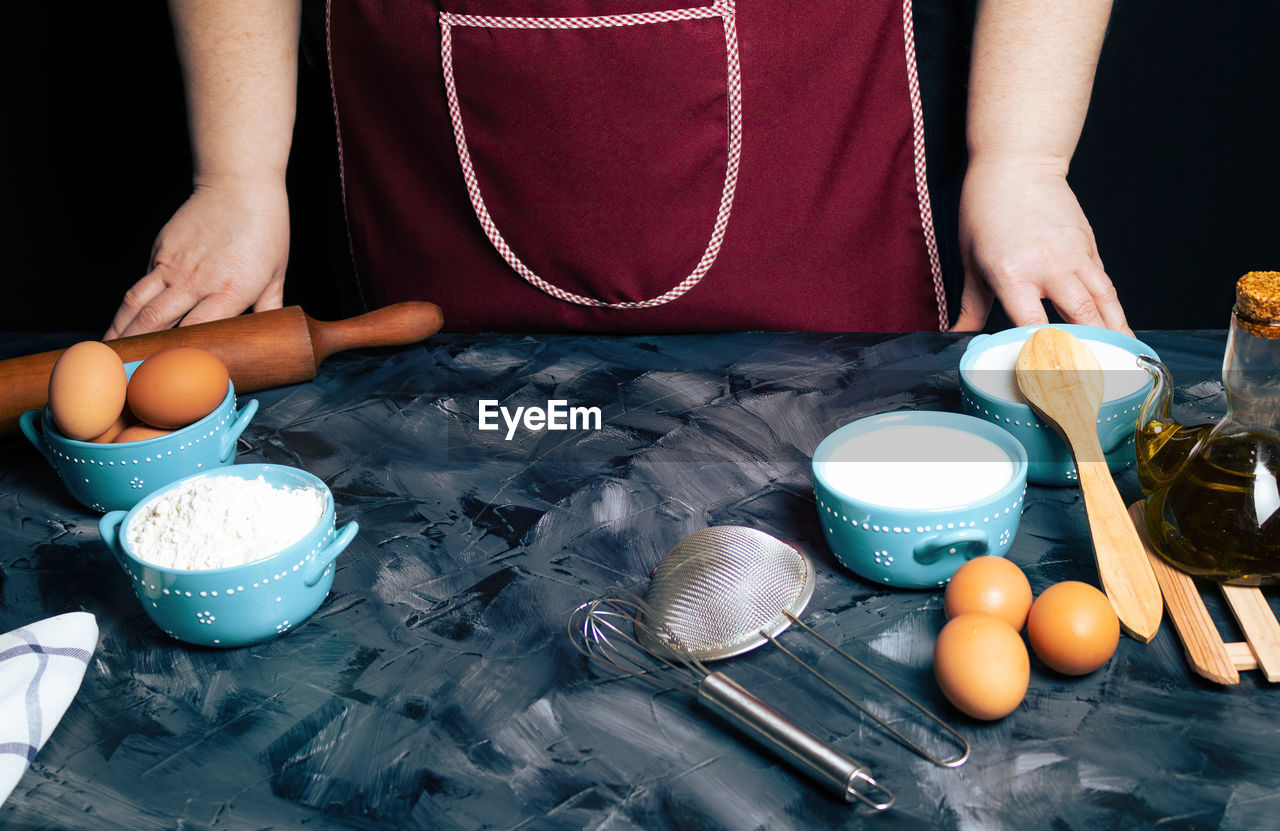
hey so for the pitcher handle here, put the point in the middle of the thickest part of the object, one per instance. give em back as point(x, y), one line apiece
point(237, 427)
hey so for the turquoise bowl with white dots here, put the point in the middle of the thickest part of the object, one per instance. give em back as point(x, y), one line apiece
point(244, 604)
point(918, 547)
point(1049, 457)
point(111, 477)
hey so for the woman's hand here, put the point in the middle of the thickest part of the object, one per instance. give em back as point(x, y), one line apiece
point(223, 251)
point(226, 248)
point(1024, 238)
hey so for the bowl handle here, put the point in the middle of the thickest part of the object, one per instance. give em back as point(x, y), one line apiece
point(232, 435)
point(29, 422)
point(329, 553)
point(930, 549)
point(109, 528)
point(1115, 439)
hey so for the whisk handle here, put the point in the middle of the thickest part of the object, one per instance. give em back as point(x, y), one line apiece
point(733, 702)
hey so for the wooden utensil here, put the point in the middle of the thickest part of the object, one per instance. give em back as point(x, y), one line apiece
point(1209, 655)
point(1062, 381)
point(261, 350)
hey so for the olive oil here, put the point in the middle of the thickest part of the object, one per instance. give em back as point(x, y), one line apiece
point(1162, 447)
point(1213, 492)
point(1219, 516)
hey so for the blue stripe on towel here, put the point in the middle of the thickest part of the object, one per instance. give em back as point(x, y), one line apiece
point(37, 649)
point(35, 724)
point(26, 751)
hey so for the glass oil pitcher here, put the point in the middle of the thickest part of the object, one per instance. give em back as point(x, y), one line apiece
point(1213, 490)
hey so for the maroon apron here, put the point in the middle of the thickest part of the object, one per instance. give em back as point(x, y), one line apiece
point(637, 165)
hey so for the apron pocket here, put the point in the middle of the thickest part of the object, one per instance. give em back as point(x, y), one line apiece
point(600, 153)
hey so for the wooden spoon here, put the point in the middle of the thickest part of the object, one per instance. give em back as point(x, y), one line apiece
point(1062, 381)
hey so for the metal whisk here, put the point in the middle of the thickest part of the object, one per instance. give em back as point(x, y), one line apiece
point(613, 631)
point(727, 589)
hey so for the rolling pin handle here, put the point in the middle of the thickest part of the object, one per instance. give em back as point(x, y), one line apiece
point(395, 325)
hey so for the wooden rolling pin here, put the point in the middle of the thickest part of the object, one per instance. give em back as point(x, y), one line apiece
point(261, 350)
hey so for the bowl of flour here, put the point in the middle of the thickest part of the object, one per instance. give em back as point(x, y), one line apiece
point(989, 390)
point(233, 556)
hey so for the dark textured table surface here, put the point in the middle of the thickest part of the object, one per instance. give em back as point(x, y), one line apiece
point(437, 688)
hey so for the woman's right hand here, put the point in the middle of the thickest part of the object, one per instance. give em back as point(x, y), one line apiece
point(223, 251)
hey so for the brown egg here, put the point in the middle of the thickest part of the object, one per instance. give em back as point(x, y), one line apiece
point(86, 390)
point(1073, 628)
point(981, 665)
point(123, 421)
point(176, 387)
point(138, 432)
point(993, 585)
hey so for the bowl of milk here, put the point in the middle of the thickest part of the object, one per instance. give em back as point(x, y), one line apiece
point(989, 390)
point(906, 497)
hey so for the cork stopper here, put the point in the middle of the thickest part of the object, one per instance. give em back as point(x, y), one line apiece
point(1258, 303)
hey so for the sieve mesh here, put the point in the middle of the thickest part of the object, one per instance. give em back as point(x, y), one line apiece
point(718, 589)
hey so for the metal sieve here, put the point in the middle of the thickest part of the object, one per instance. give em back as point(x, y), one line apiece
point(727, 589)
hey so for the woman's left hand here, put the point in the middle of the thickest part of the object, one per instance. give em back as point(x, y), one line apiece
point(1024, 239)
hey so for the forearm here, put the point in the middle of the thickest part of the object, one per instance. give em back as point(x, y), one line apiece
point(1031, 77)
point(240, 67)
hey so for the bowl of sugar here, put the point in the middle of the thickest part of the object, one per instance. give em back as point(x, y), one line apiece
point(906, 497)
point(989, 390)
point(230, 557)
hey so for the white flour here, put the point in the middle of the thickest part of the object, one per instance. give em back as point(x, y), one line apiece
point(221, 521)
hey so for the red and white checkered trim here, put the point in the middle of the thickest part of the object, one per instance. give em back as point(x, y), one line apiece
point(720, 8)
point(922, 180)
point(342, 170)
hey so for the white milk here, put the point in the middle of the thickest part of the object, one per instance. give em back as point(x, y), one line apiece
point(993, 371)
point(918, 466)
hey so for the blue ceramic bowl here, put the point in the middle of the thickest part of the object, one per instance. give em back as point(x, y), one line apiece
point(110, 477)
point(242, 604)
point(917, 548)
point(1048, 456)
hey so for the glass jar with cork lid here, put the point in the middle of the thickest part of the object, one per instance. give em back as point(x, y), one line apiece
point(1213, 490)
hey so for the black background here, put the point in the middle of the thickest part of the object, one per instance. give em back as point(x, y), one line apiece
point(1178, 168)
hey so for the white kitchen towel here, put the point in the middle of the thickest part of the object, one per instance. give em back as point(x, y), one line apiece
point(41, 667)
